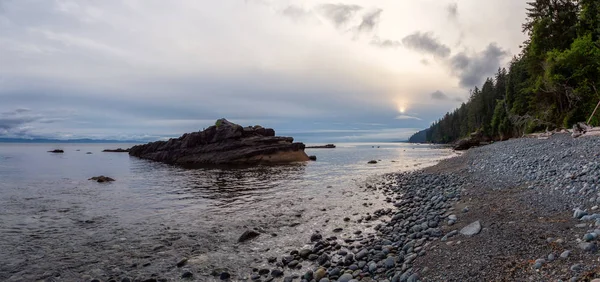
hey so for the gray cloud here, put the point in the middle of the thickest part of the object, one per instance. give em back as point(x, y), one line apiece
point(439, 95)
point(452, 10)
point(385, 43)
point(472, 69)
point(426, 43)
point(295, 12)
point(124, 68)
point(339, 14)
point(370, 20)
point(19, 122)
point(13, 120)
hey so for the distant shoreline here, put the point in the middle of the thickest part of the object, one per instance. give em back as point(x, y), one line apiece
point(71, 141)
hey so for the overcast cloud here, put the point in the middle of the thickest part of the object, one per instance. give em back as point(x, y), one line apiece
point(132, 69)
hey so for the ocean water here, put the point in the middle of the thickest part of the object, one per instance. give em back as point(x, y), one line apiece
point(56, 225)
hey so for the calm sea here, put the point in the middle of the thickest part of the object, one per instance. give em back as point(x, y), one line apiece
point(56, 225)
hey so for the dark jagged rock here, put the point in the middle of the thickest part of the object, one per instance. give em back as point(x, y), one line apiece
point(101, 179)
point(474, 140)
point(57, 151)
point(465, 144)
point(119, 150)
point(225, 143)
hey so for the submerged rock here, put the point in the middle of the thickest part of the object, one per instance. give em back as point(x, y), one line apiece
point(57, 151)
point(248, 235)
point(224, 143)
point(101, 179)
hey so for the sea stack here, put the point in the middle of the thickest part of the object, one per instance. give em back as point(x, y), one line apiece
point(224, 143)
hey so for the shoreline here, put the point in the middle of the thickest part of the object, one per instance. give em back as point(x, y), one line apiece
point(521, 193)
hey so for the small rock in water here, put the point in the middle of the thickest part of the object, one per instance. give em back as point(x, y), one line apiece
point(224, 276)
point(248, 235)
point(101, 179)
point(372, 162)
point(263, 271)
point(316, 237)
point(276, 273)
point(471, 229)
point(182, 262)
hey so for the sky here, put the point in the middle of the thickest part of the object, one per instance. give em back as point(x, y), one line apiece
point(345, 71)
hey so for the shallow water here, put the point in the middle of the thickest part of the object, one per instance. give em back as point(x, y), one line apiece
point(55, 224)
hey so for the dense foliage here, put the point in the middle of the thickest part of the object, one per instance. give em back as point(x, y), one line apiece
point(553, 83)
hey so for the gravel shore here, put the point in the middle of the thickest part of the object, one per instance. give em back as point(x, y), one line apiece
point(519, 210)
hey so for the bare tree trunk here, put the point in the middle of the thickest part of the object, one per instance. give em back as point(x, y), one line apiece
point(594, 112)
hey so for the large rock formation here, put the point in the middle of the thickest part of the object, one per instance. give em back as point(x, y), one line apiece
point(222, 144)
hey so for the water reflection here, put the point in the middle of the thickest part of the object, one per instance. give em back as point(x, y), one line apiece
point(53, 217)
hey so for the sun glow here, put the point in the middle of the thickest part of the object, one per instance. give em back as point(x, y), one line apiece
point(401, 106)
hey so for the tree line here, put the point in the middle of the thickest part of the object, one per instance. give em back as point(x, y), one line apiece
point(553, 83)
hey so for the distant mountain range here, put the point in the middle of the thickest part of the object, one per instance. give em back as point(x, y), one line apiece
point(85, 140)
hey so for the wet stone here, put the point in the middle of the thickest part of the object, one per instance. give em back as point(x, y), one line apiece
point(345, 277)
point(276, 273)
point(263, 271)
point(224, 275)
point(182, 262)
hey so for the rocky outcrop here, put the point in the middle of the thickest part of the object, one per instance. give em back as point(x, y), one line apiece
point(119, 150)
point(328, 146)
point(475, 139)
point(224, 143)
